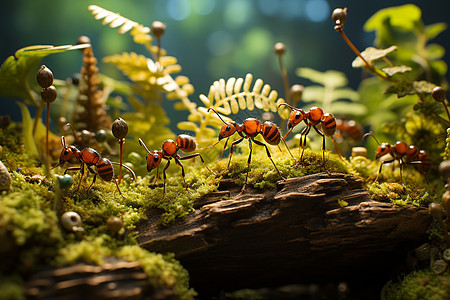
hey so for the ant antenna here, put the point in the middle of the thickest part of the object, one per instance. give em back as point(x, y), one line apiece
point(73, 130)
point(217, 114)
point(63, 142)
point(141, 142)
point(371, 134)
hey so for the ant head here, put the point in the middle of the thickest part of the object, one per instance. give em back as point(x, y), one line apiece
point(382, 150)
point(296, 116)
point(227, 130)
point(154, 159)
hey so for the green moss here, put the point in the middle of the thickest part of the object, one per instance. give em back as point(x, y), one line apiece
point(11, 288)
point(422, 284)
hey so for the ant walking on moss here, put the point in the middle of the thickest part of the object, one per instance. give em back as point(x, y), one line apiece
point(89, 157)
point(420, 159)
point(250, 129)
point(170, 148)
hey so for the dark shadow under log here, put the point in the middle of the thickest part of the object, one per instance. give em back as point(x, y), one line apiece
point(297, 233)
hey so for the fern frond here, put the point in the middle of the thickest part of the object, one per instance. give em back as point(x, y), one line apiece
point(139, 32)
point(228, 97)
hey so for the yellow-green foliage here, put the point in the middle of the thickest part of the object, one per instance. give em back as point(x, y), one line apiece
point(422, 284)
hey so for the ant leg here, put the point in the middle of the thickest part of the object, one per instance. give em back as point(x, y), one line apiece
point(126, 167)
point(381, 166)
point(164, 175)
point(201, 158)
point(178, 162)
point(302, 143)
point(81, 168)
point(323, 148)
point(224, 147)
point(93, 181)
point(248, 162)
point(231, 154)
point(117, 185)
point(268, 155)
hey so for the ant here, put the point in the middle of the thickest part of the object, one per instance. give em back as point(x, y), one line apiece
point(249, 130)
point(404, 154)
point(183, 142)
point(349, 129)
point(89, 157)
point(314, 117)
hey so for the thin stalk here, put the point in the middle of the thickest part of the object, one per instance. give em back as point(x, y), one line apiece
point(47, 158)
point(121, 156)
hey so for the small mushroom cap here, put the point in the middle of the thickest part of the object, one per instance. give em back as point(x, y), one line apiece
point(114, 224)
point(158, 28)
point(339, 16)
point(444, 169)
point(438, 94)
point(71, 221)
point(279, 48)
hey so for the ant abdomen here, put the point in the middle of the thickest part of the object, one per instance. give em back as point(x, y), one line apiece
point(186, 143)
point(270, 133)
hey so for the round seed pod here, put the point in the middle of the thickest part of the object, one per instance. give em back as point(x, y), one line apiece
point(44, 77)
point(49, 94)
point(158, 28)
point(339, 16)
point(114, 224)
point(279, 48)
point(5, 178)
point(438, 266)
point(444, 169)
point(71, 221)
point(119, 128)
point(297, 92)
point(438, 94)
point(83, 40)
point(101, 135)
point(423, 252)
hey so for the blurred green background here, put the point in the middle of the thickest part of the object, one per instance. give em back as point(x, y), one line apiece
point(212, 39)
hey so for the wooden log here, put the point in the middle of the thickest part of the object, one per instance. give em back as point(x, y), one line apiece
point(296, 233)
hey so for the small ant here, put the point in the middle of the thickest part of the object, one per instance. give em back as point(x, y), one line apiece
point(169, 150)
point(314, 117)
point(249, 130)
point(420, 159)
point(349, 129)
point(89, 157)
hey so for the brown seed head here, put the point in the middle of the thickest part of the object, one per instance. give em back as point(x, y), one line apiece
point(279, 48)
point(297, 92)
point(83, 40)
point(49, 94)
point(44, 77)
point(158, 28)
point(114, 224)
point(339, 16)
point(438, 94)
point(119, 128)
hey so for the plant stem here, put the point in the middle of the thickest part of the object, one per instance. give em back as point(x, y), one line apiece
point(121, 141)
point(47, 159)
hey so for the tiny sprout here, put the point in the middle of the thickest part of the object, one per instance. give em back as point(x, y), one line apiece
point(279, 48)
point(114, 224)
point(49, 94)
point(158, 28)
point(297, 92)
point(44, 77)
point(339, 17)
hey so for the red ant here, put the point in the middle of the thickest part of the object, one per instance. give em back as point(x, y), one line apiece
point(314, 117)
point(169, 150)
point(249, 130)
point(404, 154)
point(89, 157)
point(349, 128)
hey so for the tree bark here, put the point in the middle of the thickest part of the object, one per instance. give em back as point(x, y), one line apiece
point(295, 233)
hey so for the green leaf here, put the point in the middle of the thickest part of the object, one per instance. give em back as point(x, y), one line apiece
point(396, 70)
point(434, 51)
point(17, 74)
point(329, 78)
point(407, 88)
point(27, 131)
point(348, 108)
point(371, 54)
point(433, 30)
point(405, 17)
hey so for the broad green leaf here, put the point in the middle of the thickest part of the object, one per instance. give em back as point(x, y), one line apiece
point(406, 17)
point(17, 74)
point(372, 54)
point(434, 51)
point(433, 30)
point(348, 108)
point(396, 70)
point(186, 125)
point(329, 78)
